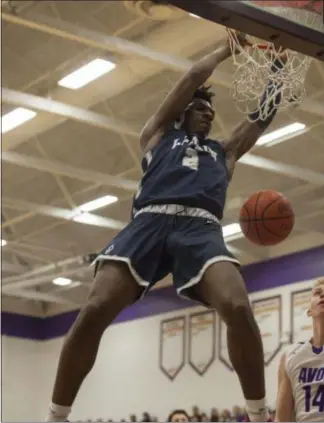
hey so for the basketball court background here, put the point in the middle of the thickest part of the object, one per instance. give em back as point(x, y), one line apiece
point(83, 143)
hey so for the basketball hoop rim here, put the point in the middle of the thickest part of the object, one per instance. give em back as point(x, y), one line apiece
point(257, 45)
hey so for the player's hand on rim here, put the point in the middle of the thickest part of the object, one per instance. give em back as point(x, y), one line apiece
point(240, 37)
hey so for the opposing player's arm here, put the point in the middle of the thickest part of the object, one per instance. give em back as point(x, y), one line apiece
point(285, 400)
point(180, 96)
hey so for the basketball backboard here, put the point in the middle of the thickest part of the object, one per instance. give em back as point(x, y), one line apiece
point(268, 20)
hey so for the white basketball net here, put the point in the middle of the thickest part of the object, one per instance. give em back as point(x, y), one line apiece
point(255, 70)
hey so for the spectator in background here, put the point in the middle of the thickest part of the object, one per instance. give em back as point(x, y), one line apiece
point(272, 415)
point(204, 417)
point(132, 418)
point(238, 414)
point(178, 416)
point(226, 416)
point(195, 414)
point(146, 417)
point(214, 416)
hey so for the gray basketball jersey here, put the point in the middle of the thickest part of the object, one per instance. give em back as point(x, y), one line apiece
point(305, 369)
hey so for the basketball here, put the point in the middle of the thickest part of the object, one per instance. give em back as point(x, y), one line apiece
point(267, 218)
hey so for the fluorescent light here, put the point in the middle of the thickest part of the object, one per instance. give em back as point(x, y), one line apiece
point(3, 242)
point(87, 74)
point(62, 281)
point(87, 218)
point(194, 16)
point(16, 118)
point(98, 203)
point(282, 134)
point(232, 229)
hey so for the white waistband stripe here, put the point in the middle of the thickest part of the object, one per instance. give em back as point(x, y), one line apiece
point(176, 209)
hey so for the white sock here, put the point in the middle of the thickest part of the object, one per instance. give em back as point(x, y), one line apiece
point(58, 413)
point(257, 410)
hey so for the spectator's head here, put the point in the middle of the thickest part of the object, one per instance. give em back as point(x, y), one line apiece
point(214, 416)
point(204, 417)
point(236, 411)
point(195, 418)
point(132, 418)
point(178, 416)
point(146, 417)
point(226, 416)
point(195, 410)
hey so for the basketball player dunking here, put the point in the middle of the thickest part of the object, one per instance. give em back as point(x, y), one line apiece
point(301, 371)
point(176, 229)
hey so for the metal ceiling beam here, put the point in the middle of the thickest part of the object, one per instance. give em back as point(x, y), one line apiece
point(62, 264)
point(313, 107)
point(97, 40)
point(62, 169)
point(132, 71)
point(40, 296)
point(10, 267)
point(72, 32)
point(42, 248)
point(296, 172)
point(60, 213)
point(48, 105)
point(67, 170)
point(23, 283)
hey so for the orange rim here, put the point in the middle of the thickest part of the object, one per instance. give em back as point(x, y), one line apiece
point(257, 45)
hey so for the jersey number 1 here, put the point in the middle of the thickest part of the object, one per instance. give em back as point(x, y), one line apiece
point(316, 401)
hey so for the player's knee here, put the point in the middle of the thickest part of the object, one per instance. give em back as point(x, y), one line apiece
point(98, 313)
point(237, 313)
point(93, 314)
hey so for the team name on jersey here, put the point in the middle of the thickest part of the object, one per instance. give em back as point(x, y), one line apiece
point(194, 143)
point(311, 374)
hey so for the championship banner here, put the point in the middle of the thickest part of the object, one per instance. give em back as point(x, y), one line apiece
point(222, 345)
point(268, 315)
point(301, 324)
point(202, 341)
point(172, 346)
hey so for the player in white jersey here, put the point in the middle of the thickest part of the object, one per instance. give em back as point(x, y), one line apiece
point(301, 372)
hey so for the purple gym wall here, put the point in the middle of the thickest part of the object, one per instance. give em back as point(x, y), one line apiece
point(273, 273)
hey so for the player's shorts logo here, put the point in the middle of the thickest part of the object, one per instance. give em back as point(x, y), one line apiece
point(109, 249)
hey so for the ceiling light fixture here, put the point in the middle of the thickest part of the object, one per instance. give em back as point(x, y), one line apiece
point(282, 134)
point(62, 281)
point(16, 118)
point(86, 74)
point(98, 203)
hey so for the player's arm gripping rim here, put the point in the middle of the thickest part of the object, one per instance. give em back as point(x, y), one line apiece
point(247, 133)
point(285, 400)
point(180, 96)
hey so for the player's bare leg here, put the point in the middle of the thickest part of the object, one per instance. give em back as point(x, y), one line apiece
point(223, 288)
point(114, 289)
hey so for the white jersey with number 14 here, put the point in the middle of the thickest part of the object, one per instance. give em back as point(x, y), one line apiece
point(305, 369)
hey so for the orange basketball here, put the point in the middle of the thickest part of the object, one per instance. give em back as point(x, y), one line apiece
point(267, 218)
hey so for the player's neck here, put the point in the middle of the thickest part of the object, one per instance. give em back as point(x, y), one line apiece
point(318, 332)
